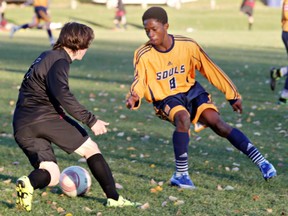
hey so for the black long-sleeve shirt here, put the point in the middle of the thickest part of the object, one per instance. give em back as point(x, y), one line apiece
point(45, 93)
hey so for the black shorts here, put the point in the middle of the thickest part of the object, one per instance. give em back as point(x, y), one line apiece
point(247, 10)
point(36, 140)
point(38, 12)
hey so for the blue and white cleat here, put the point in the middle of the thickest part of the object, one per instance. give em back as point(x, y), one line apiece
point(182, 181)
point(268, 170)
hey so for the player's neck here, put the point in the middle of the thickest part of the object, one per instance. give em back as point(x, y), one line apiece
point(167, 43)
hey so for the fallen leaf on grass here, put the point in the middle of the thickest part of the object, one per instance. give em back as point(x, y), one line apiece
point(156, 189)
point(118, 186)
point(269, 210)
point(145, 206)
point(235, 169)
point(179, 202)
point(228, 187)
point(153, 182)
point(219, 187)
point(8, 181)
point(172, 198)
point(87, 209)
point(60, 210)
point(120, 134)
point(255, 197)
point(44, 194)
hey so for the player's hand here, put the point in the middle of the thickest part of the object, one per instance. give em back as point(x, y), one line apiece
point(237, 106)
point(99, 127)
point(131, 101)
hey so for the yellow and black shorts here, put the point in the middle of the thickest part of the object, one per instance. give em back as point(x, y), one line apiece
point(195, 101)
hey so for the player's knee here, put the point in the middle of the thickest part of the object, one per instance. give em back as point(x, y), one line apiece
point(88, 148)
point(182, 120)
point(54, 171)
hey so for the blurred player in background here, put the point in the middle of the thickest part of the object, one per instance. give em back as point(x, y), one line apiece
point(40, 9)
point(164, 74)
point(247, 7)
point(3, 21)
point(120, 16)
point(277, 73)
point(40, 120)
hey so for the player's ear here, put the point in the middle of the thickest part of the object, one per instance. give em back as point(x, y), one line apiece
point(166, 26)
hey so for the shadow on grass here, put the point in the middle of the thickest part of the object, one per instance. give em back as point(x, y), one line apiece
point(91, 23)
point(7, 204)
point(5, 177)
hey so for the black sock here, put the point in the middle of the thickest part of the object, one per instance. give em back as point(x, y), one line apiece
point(39, 178)
point(102, 173)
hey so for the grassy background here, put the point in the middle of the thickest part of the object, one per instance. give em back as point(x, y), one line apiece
point(138, 146)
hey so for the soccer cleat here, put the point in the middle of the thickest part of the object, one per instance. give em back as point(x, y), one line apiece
point(267, 169)
point(182, 181)
point(12, 31)
point(274, 76)
point(24, 191)
point(121, 202)
point(52, 42)
point(282, 101)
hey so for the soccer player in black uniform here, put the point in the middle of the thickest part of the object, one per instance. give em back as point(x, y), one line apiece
point(39, 120)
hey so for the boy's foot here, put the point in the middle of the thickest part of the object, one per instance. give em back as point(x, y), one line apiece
point(182, 181)
point(268, 170)
point(12, 31)
point(274, 76)
point(24, 191)
point(52, 42)
point(121, 202)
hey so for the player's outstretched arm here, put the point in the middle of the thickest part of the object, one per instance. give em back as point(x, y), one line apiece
point(99, 127)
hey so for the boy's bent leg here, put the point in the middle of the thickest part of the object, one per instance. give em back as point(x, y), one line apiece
point(102, 173)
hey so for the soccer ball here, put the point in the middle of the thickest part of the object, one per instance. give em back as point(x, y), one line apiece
point(75, 181)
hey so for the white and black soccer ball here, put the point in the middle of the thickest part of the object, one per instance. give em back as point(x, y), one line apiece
point(75, 181)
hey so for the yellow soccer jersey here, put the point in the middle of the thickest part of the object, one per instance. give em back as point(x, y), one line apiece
point(285, 16)
point(43, 3)
point(158, 75)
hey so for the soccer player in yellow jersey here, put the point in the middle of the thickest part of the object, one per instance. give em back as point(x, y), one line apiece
point(164, 74)
point(277, 73)
point(40, 9)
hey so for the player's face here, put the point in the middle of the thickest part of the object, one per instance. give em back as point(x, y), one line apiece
point(156, 31)
point(80, 54)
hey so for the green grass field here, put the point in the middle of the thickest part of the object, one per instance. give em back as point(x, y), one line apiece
point(138, 145)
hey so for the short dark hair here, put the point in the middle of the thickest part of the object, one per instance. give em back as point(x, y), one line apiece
point(75, 36)
point(157, 13)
